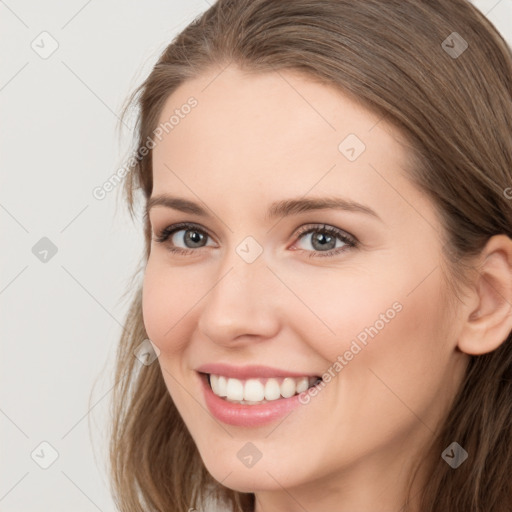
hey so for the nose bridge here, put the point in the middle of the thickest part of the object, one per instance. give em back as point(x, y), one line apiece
point(241, 299)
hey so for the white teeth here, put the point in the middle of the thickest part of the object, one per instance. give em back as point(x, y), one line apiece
point(235, 389)
point(214, 383)
point(223, 385)
point(254, 391)
point(288, 387)
point(302, 384)
point(272, 391)
point(218, 384)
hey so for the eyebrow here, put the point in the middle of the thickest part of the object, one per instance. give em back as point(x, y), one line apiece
point(282, 208)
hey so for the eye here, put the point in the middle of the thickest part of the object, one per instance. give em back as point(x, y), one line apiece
point(193, 237)
point(325, 238)
point(323, 242)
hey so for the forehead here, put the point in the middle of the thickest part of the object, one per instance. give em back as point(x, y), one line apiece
point(277, 134)
point(271, 112)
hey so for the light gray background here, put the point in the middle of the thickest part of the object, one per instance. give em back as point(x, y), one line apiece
point(60, 319)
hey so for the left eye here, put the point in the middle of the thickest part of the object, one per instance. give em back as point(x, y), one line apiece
point(323, 242)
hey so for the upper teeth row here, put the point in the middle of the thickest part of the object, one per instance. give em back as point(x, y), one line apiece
point(255, 390)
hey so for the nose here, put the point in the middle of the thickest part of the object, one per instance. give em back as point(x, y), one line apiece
point(243, 304)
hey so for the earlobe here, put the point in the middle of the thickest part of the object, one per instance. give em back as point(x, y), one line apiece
point(489, 323)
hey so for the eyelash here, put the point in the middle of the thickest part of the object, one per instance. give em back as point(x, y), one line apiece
point(349, 240)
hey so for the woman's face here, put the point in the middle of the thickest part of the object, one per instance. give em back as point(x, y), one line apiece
point(263, 284)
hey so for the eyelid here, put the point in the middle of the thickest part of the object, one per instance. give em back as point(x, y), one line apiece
point(321, 226)
point(178, 226)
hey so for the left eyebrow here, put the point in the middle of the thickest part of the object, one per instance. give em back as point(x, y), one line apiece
point(282, 208)
point(293, 206)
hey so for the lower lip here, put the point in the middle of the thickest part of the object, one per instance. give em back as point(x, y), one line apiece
point(242, 415)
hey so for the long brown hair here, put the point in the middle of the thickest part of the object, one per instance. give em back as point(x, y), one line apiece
point(455, 109)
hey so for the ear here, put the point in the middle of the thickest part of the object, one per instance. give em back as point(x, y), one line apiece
point(489, 323)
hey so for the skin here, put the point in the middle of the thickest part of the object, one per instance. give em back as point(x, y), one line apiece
point(258, 138)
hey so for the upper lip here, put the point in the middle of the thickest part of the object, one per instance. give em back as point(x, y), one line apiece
point(248, 372)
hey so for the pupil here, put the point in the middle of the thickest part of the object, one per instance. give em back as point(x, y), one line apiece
point(195, 237)
point(323, 239)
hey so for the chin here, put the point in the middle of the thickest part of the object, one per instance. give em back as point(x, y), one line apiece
point(254, 479)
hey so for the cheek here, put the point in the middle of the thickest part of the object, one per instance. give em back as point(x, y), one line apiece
point(340, 307)
point(402, 363)
point(374, 321)
point(167, 304)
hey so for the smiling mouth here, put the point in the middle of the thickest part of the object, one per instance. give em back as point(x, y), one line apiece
point(256, 391)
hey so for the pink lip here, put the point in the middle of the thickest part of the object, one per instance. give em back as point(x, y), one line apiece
point(248, 372)
point(242, 415)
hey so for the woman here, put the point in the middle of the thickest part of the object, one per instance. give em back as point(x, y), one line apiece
point(328, 273)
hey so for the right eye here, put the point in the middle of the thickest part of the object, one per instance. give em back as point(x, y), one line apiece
point(193, 236)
